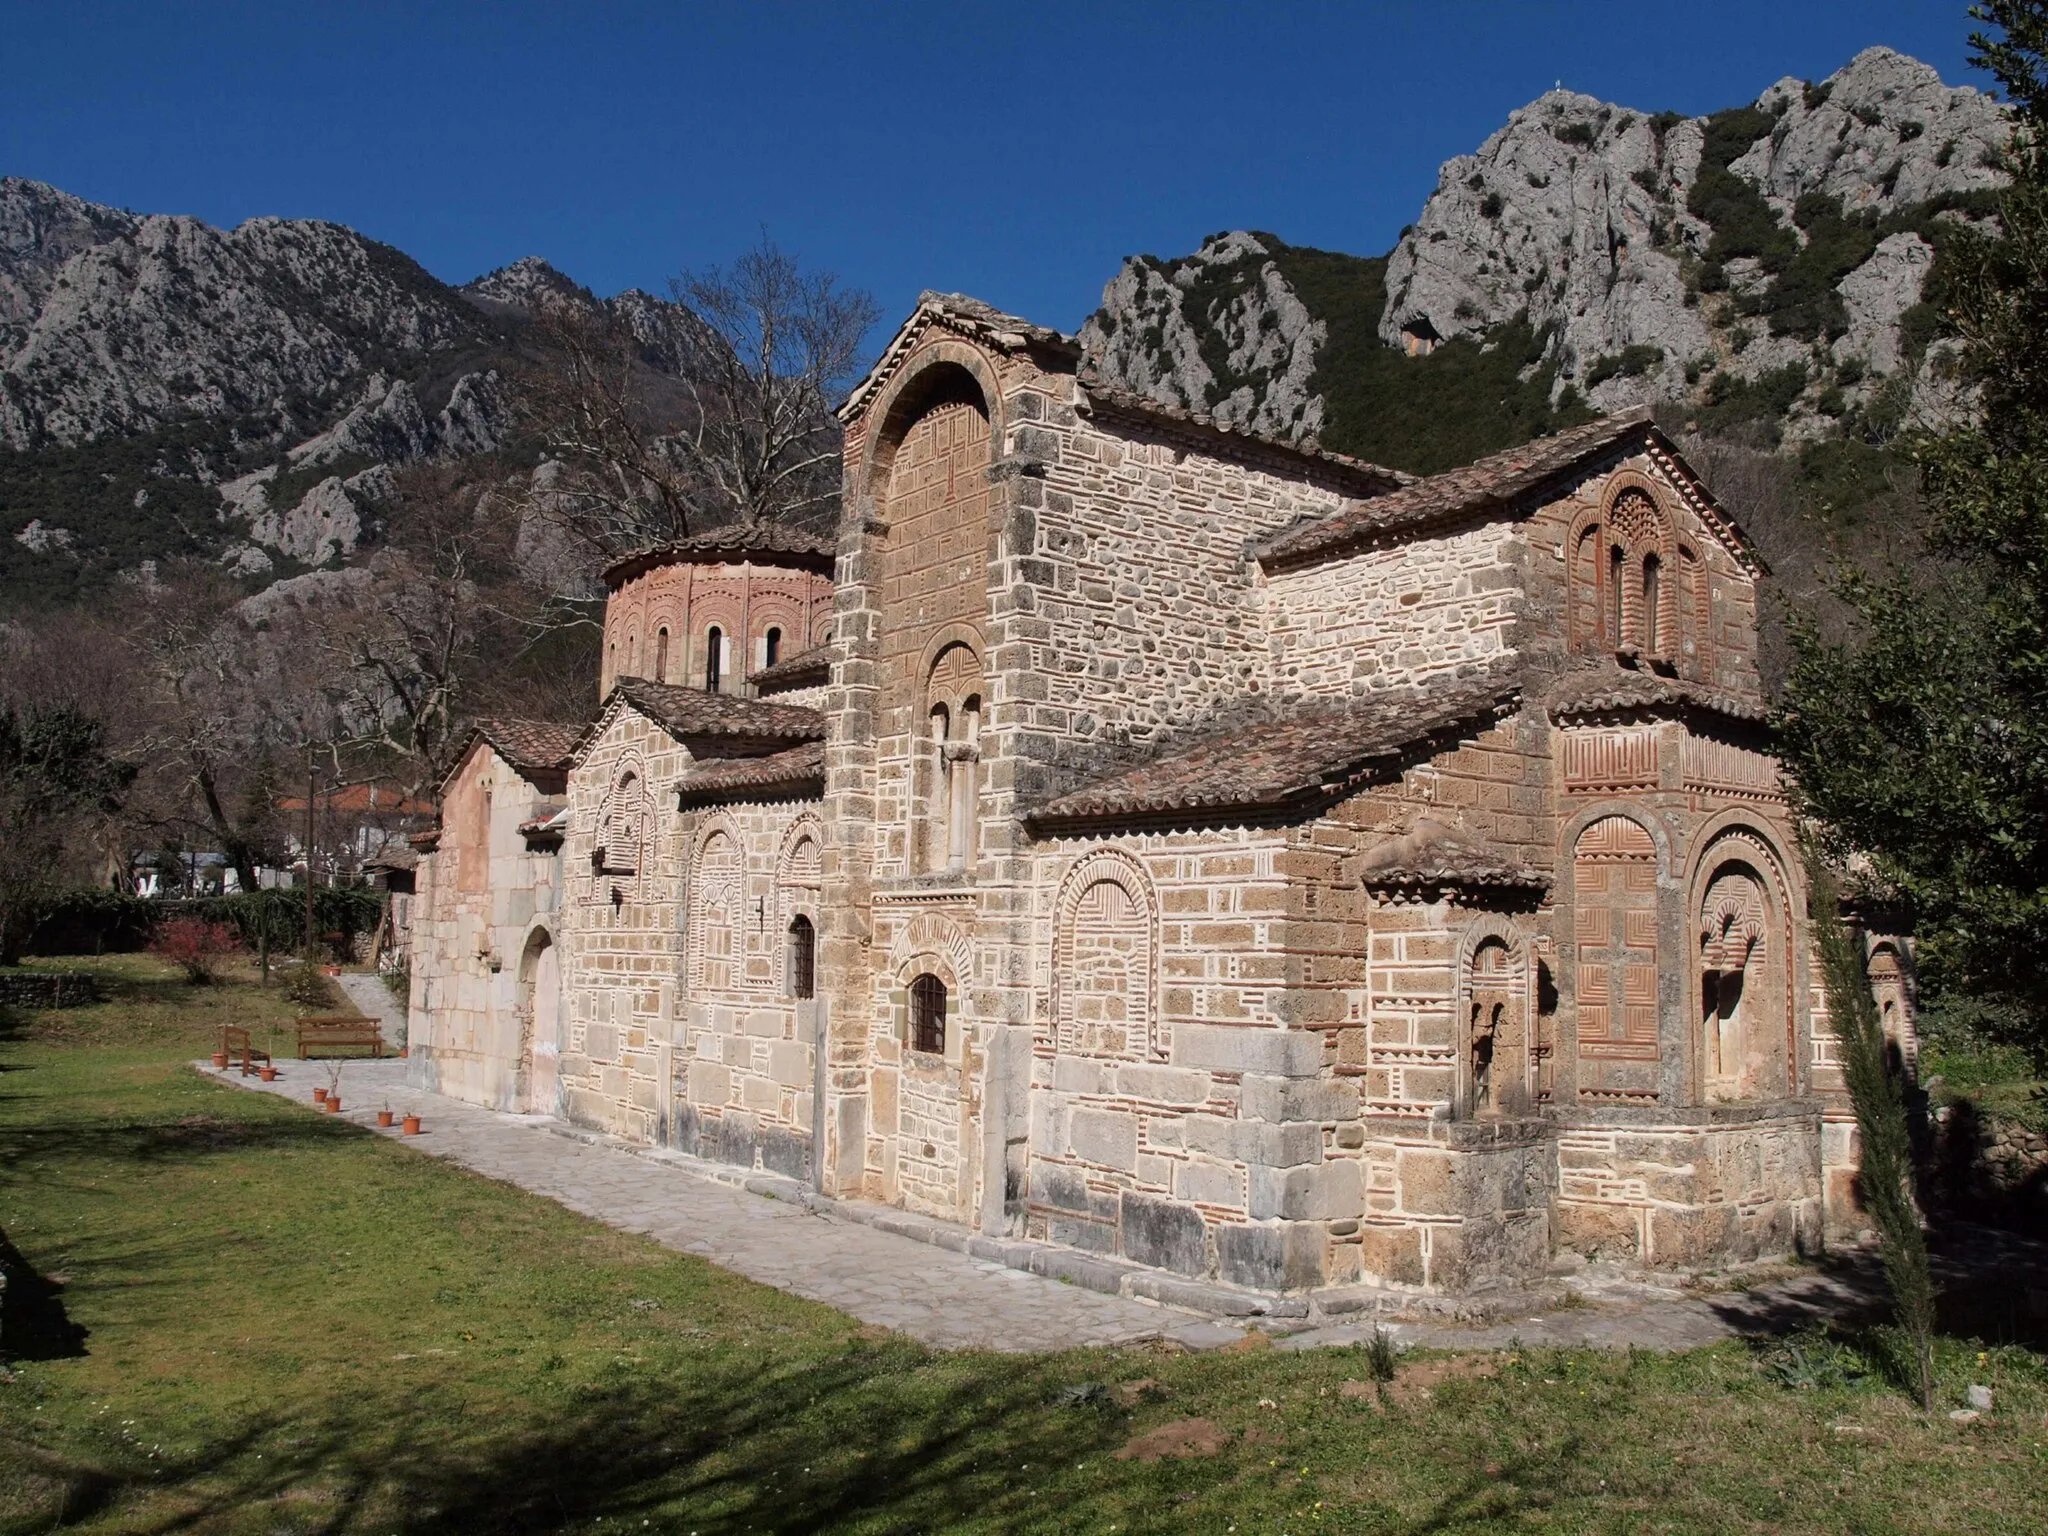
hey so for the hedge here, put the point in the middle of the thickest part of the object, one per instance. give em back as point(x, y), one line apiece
point(91, 922)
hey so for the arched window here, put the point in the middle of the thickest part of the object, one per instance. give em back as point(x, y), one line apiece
point(1653, 601)
point(949, 792)
point(1617, 579)
point(928, 1015)
point(714, 658)
point(620, 827)
point(1741, 1045)
point(771, 647)
point(803, 958)
point(1498, 1041)
point(661, 654)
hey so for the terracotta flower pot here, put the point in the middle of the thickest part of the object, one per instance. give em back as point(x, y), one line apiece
point(319, 1095)
point(383, 1119)
point(404, 1051)
point(268, 1074)
point(411, 1126)
point(334, 1103)
point(330, 970)
point(220, 1061)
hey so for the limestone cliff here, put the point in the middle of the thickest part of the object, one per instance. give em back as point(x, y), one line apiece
point(1768, 261)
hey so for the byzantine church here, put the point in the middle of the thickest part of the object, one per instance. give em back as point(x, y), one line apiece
point(1137, 838)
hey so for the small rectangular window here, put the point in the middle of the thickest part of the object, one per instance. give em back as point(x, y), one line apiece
point(928, 1015)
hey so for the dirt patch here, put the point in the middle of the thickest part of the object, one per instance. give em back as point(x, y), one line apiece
point(1417, 1383)
point(1251, 1343)
point(1180, 1440)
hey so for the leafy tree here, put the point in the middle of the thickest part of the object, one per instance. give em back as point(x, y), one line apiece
point(1922, 743)
point(55, 774)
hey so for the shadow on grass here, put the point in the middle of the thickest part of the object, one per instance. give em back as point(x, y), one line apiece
point(863, 1437)
point(33, 1322)
point(156, 1141)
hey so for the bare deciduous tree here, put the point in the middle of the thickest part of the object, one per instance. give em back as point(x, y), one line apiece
point(715, 411)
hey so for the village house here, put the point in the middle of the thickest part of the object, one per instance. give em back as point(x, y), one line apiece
point(1218, 855)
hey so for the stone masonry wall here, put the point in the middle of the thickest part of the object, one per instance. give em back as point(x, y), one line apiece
point(624, 936)
point(744, 1087)
point(481, 896)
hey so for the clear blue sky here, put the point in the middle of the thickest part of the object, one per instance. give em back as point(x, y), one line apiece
point(1013, 151)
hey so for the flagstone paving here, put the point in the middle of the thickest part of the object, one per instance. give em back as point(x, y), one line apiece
point(771, 1230)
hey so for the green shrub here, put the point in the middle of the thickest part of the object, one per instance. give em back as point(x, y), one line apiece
point(1584, 135)
point(1632, 362)
point(93, 922)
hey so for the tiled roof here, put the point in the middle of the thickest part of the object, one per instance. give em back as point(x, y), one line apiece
point(1317, 753)
point(1498, 480)
point(967, 316)
point(684, 712)
point(1357, 475)
point(532, 745)
point(811, 666)
point(1610, 689)
point(548, 827)
point(766, 543)
point(1435, 853)
point(799, 770)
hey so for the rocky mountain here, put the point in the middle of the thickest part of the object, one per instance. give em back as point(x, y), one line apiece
point(1765, 264)
point(171, 389)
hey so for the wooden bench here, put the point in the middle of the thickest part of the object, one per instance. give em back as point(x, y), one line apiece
point(335, 1032)
point(236, 1043)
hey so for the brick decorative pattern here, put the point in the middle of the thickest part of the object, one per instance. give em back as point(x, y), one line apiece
point(1338, 898)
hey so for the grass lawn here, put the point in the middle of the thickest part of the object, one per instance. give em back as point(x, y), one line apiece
point(293, 1326)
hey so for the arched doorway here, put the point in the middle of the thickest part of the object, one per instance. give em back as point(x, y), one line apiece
point(541, 980)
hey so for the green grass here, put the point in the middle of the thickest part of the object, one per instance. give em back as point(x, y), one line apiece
point(295, 1326)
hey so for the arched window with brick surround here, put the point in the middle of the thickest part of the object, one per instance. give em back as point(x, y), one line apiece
point(1622, 599)
point(948, 780)
point(661, 654)
point(714, 659)
point(928, 1015)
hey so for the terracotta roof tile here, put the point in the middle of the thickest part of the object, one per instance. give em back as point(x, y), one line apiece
point(1365, 478)
point(1497, 480)
point(1610, 689)
point(799, 770)
point(532, 745)
point(1316, 753)
point(684, 712)
point(811, 666)
point(1435, 853)
point(766, 543)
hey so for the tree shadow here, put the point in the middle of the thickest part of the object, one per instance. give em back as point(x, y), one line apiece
point(809, 1446)
point(33, 1322)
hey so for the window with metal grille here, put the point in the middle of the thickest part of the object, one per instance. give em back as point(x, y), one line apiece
point(928, 1015)
point(803, 958)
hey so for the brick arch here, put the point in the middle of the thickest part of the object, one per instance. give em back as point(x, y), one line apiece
point(1739, 920)
point(931, 944)
point(622, 841)
point(1091, 925)
point(1615, 862)
point(714, 907)
point(1613, 555)
point(1483, 988)
point(941, 369)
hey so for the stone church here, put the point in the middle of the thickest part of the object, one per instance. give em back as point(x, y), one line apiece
point(1220, 856)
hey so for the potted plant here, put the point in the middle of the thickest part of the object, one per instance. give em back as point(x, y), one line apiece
point(319, 1095)
point(384, 1118)
point(411, 1124)
point(267, 1072)
point(333, 1099)
point(220, 1061)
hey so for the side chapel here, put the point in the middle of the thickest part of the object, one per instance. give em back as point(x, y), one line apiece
point(1134, 834)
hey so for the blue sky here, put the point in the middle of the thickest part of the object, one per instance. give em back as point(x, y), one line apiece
point(1013, 151)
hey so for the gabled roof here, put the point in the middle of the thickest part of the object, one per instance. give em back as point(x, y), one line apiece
point(532, 745)
point(1499, 482)
point(964, 316)
point(797, 772)
point(761, 541)
point(800, 670)
point(1361, 478)
point(1435, 853)
point(1609, 689)
point(695, 712)
point(1314, 754)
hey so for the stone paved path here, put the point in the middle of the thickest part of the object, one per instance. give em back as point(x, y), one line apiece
point(373, 1000)
point(946, 1299)
point(953, 1300)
